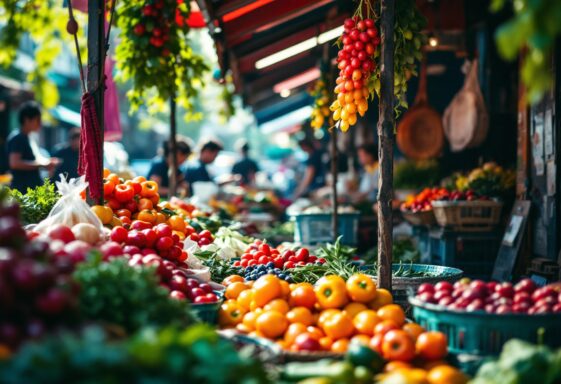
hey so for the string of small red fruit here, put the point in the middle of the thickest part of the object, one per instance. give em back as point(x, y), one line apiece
point(356, 64)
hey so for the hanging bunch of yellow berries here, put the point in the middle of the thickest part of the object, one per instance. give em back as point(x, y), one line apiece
point(356, 64)
point(320, 109)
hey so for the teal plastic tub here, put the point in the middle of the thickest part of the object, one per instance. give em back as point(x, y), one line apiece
point(483, 334)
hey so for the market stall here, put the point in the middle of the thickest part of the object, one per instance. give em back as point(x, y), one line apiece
point(127, 286)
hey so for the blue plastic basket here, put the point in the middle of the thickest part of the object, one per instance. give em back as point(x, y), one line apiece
point(312, 229)
point(483, 334)
point(208, 312)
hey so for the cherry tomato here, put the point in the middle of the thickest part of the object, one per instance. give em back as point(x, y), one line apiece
point(147, 215)
point(108, 188)
point(114, 204)
point(145, 203)
point(131, 206)
point(123, 192)
point(135, 186)
point(123, 212)
point(119, 234)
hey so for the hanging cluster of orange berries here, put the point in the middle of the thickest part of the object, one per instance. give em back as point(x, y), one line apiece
point(356, 63)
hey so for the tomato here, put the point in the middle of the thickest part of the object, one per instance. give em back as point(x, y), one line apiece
point(360, 339)
point(230, 314)
point(303, 295)
point(300, 315)
point(123, 212)
point(108, 188)
point(114, 178)
point(126, 221)
point(123, 193)
point(149, 188)
point(147, 215)
point(361, 288)
point(353, 309)
point(155, 198)
point(445, 374)
point(315, 331)
point(139, 179)
point(161, 218)
point(278, 305)
point(392, 312)
point(326, 343)
point(114, 204)
point(413, 329)
point(338, 326)
point(326, 314)
point(115, 222)
point(145, 204)
point(135, 186)
point(244, 299)
point(331, 292)
point(265, 289)
point(385, 326)
point(397, 345)
point(272, 324)
point(376, 343)
point(233, 290)
point(131, 206)
point(104, 213)
point(365, 321)
point(249, 320)
point(106, 172)
point(285, 289)
point(340, 346)
point(383, 297)
point(397, 365)
point(432, 345)
point(293, 331)
point(177, 223)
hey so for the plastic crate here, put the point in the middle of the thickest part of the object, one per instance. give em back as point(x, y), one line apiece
point(312, 229)
point(421, 234)
point(483, 334)
point(208, 312)
point(473, 253)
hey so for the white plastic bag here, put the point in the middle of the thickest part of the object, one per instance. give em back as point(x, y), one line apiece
point(70, 209)
point(198, 269)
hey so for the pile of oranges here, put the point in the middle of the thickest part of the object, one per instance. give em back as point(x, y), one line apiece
point(327, 317)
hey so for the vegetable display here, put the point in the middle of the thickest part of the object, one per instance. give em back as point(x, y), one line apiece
point(488, 180)
point(36, 203)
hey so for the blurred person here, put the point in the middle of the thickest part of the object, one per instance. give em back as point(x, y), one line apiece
point(198, 172)
point(68, 153)
point(368, 185)
point(160, 169)
point(24, 157)
point(245, 167)
point(314, 175)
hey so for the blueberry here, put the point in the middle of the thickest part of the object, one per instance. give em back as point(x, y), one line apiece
point(282, 276)
point(270, 265)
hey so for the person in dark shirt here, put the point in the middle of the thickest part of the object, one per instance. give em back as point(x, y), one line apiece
point(245, 167)
point(199, 172)
point(68, 154)
point(314, 176)
point(161, 167)
point(22, 161)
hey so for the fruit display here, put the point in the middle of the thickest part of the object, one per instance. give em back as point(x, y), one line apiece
point(36, 289)
point(422, 201)
point(489, 180)
point(320, 108)
point(499, 298)
point(260, 253)
point(356, 63)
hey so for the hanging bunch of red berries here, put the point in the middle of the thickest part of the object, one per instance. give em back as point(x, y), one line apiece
point(155, 54)
point(356, 64)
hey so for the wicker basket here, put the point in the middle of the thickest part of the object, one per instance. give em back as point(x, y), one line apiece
point(420, 218)
point(466, 216)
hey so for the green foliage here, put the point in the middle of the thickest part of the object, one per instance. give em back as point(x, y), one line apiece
point(521, 362)
point(159, 61)
point(415, 174)
point(166, 355)
point(403, 250)
point(36, 204)
point(535, 26)
point(45, 23)
point(112, 292)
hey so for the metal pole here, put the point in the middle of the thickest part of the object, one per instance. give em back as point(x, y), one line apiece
point(95, 76)
point(172, 147)
point(334, 172)
point(386, 125)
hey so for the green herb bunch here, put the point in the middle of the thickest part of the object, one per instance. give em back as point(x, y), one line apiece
point(36, 204)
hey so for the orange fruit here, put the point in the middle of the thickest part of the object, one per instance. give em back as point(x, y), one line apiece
point(272, 324)
point(232, 279)
point(413, 329)
point(300, 315)
point(353, 309)
point(303, 295)
point(432, 345)
point(340, 346)
point(365, 322)
point(104, 213)
point(177, 223)
point(285, 289)
point(315, 331)
point(361, 339)
point(338, 326)
point(278, 305)
point(383, 297)
point(326, 343)
point(249, 320)
point(293, 331)
point(385, 326)
point(265, 289)
point(392, 312)
point(326, 314)
point(395, 365)
point(233, 290)
point(445, 374)
point(244, 298)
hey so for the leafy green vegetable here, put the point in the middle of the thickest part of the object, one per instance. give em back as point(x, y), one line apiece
point(36, 204)
point(522, 363)
point(219, 268)
point(115, 293)
point(166, 355)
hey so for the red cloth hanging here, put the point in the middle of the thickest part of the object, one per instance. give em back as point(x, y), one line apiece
point(90, 163)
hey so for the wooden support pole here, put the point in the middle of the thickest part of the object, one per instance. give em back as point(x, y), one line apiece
point(95, 75)
point(172, 147)
point(386, 125)
point(334, 172)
